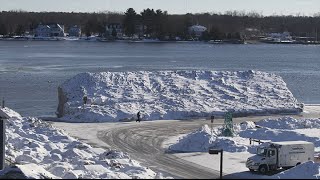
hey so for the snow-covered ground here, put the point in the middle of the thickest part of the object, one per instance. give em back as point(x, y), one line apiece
point(40, 150)
point(237, 149)
point(37, 150)
point(114, 96)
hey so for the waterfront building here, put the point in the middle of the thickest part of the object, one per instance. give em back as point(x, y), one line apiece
point(42, 31)
point(74, 31)
point(114, 27)
point(196, 30)
point(279, 37)
point(49, 30)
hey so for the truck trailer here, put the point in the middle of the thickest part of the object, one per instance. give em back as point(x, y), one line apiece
point(274, 155)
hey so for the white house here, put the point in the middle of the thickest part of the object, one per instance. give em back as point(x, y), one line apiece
point(285, 36)
point(49, 30)
point(42, 31)
point(114, 26)
point(74, 31)
point(196, 30)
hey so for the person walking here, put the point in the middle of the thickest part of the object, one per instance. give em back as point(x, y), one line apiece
point(138, 116)
point(85, 100)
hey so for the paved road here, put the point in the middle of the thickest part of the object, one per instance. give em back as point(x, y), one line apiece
point(142, 141)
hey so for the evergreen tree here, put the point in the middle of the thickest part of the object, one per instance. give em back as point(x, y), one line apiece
point(237, 35)
point(20, 30)
point(229, 36)
point(114, 32)
point(205, 36)
point(216, 34)
point(188, 22)
point(130, 22)
point(100, 28)
point(3, 29)
point(161, 24)
point(87, 29)
point(148, 20)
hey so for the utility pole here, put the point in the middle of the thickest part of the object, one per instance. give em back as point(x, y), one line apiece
point(2, 139)
point(3, 103)
point(212, 119)
point(217, 151)
point(316, 34)
point(2, 143)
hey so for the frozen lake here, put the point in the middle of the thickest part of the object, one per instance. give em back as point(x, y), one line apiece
point(30, 71)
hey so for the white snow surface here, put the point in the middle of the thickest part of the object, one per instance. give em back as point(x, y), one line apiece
point(279, 129)
point(289, 123)
point(308, 170)
point(39, 150)
point(115, 96)
point(8, 113)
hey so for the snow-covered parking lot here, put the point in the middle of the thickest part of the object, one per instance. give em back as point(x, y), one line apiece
point(234, 162)
point(237, 149)
point(39, 150)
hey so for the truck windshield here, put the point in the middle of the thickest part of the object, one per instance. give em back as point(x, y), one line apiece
point(262, 152)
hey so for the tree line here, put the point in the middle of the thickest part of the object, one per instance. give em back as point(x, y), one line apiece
point(160, 24)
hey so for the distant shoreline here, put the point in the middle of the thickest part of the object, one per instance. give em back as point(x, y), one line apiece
point(97, 39)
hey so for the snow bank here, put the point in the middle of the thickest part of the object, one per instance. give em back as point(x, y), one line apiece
point(40, 151)
point(204, 139)
point(114, 96)
point(289, 123)
point(7, 113)
point(308, 170)
point(237, 149)
point(280, 129)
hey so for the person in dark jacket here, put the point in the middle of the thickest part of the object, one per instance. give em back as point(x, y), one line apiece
point(138, 116)
point(85, 99)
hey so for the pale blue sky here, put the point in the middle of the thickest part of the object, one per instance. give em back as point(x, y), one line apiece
point(266, 7)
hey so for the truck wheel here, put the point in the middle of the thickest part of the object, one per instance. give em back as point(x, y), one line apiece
point(251, 170)
point(263, 169)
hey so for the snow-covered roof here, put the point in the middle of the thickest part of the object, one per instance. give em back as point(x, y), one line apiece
point(197, 28)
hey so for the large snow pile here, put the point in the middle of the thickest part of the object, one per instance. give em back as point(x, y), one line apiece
point(280, 129)
point(204, 139)
point(308, 170)
point(114, 96)
point(289, 123)
point(285, 129)
point(38, 150)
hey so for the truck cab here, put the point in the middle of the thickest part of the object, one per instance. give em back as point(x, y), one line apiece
point(265, 158)
point(273, 155)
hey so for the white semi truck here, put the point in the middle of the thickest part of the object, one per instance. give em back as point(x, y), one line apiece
point(274, 155)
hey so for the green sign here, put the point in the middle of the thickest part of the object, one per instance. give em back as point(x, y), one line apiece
point(228, 124)
point(228, 118)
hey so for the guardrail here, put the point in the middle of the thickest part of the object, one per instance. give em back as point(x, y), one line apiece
point(255, 140)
